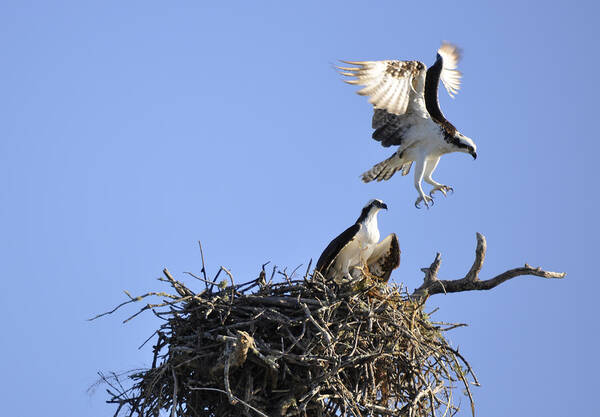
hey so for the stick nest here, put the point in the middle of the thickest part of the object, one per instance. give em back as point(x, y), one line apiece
point(293, 348)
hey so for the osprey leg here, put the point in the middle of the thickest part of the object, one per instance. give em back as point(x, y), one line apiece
point(419, 172)
point(431, 166)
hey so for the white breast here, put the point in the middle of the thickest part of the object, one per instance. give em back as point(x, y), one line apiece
point(424, 130)
point(368, 236)
point(356, 253)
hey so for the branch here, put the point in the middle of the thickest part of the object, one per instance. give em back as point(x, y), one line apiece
point(433, 285)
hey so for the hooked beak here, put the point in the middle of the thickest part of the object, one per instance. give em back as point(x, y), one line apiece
point(473, 154)
point(384, 206)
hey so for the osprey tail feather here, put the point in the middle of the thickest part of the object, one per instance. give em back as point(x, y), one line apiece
point(385, 169)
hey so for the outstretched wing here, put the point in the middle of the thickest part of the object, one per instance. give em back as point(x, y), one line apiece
point(335, 247)
point(385, 258)
point(443, 69)
point(390, 85)
point(450, 76)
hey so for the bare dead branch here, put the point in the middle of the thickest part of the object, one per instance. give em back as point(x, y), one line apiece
point(433, 285)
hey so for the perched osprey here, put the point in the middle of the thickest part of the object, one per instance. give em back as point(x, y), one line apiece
point(407, 114)
point(357, 247)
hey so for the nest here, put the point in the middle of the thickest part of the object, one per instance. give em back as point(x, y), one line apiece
point(296, 347)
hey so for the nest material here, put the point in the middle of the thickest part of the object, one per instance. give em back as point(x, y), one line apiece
point(294, 348)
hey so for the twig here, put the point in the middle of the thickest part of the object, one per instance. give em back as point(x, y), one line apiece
point(323, 331)
point(133, 300)
point(234, 397)
point(174, 407)
point(229, 274)
point(203, 270)
point(228, 351)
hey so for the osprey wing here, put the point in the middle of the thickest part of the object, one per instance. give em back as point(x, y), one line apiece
point(443, 69)
point(335, 247)
point(450, 76)
point(385, 258)
point(391, 85)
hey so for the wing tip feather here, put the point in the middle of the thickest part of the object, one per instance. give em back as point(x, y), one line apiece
point(354, 62)
point(451, 54)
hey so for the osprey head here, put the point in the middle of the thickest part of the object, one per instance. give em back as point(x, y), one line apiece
point(465, 144)
point(375, 204)
point(371, 209)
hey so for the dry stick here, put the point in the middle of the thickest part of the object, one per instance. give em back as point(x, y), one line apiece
point(174, 407)
point(228, 350)
point(448, 404)
point(415, 401)
point(146, 341)
point(203, 270)
point(384, 410)
point(456, 352)
point(229, 274)
point(149, 306)
point(451, 326)
point(178, 286)
point(234, 397)
point(133, 300)
point(295, 340)
point(248, 394)
point(461, 376)
point(431, 403)
point(294, 271)
point(433, 285)
point(306, 274)
point(283, 301)
point(214, 280)
point(323, 331)
point(206, 282)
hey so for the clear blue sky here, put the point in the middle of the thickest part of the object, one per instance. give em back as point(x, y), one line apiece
point(131, 130)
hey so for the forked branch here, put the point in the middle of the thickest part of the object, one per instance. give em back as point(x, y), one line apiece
point(433, 285)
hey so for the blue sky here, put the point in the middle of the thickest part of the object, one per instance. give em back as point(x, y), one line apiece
point(131, 130)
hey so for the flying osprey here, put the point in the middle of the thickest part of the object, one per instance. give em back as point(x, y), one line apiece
point(407, 114)
point(357, 247)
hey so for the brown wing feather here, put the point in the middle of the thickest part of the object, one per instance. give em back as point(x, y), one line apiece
point(385, 258)
point(390, 128)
